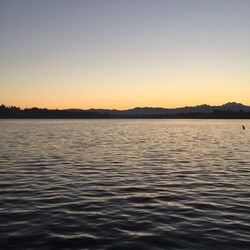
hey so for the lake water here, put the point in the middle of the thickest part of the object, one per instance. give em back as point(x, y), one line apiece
point(124, 184)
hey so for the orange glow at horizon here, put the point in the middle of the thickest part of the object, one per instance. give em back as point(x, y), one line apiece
point(125, 89)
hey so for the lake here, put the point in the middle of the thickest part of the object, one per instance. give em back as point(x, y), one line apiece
point(124, 184)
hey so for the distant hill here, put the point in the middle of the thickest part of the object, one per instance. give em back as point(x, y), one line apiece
point(231, 110)
point(230, 106)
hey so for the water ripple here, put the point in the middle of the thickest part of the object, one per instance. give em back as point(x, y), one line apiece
point(124, 184)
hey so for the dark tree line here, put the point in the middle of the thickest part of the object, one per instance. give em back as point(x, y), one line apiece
point(37, 113)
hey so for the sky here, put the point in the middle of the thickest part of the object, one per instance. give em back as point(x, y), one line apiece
point(124, 53)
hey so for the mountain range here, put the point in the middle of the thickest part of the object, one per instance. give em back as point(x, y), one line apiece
point(230, 106)
point(229, 110)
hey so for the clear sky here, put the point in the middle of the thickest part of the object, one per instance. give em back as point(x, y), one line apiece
point(124, 53)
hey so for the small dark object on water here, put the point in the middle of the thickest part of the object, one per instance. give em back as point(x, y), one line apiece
point(243, 127)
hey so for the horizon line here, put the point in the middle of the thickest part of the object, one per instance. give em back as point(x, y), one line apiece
point(204, 104)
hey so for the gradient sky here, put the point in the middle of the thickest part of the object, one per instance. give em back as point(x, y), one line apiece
point(124, 53)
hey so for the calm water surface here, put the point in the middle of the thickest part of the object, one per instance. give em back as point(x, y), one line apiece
point(124, 184)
